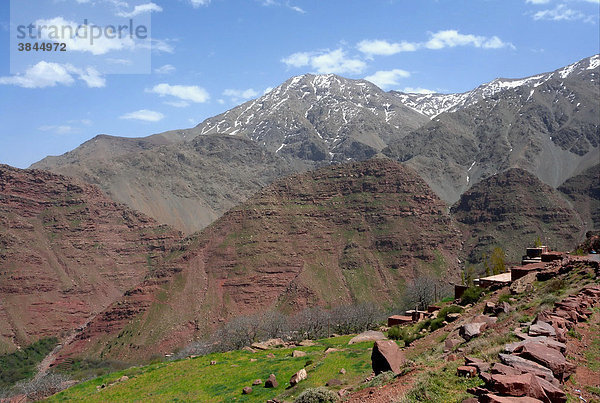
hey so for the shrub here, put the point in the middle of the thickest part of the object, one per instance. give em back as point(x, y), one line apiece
point(443, 313)
point(407, 334)
point(317, 395)
point(22, 363)
point(381, 379)
point(436, 324)
point(525, 319)
point(504, 298)
point(471, 295)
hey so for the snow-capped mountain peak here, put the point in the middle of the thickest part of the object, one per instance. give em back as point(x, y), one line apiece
point(432, 105)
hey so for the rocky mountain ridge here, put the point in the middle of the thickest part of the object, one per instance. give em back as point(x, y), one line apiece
point(434, 104)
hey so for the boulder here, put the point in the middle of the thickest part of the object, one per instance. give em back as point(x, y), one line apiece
point(306, 343)
point(386, 356)
point(562, 347)
point(450, 343)
point(502, 307)
point(470, 330)
point(488, 320)
point(548, 357)
point(271, 382)
point(249, 349)
point(525, 365)
point(453, 316)
point(554, 392)
point(298, 377)
point(467, 371)
point(343, 371)
point(369, 335)
point(524, 385)
point(265, 345)
point(333, 383)
point(247, 390)
point(257, 382)
point(298, 353)
point(523, 284)
point(502, 369)
point(489, 307)
point(213, 363)
point(491, 398)
point(481, 365)
point(541, 328)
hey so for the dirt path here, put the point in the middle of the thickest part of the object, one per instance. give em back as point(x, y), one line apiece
point(581, 351)
point(388, 393)
point(46, 363)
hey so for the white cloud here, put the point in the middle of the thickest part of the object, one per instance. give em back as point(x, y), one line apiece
point(238, 95)
point(145, 115)
point(267, 90)
point(157, 45)
point(123, 62)
point(166, 69)
point(537, 1)
point(561, 13)
point(45, 74)
point(385, 48)
point(297, 9)
point(417, 90)
point(387, 78)
point(335, 61)
point(191, 93)
point(198, 3)
point(140, 9)
point(58, 129)
point(178, 104)
point(92, 77)
point(299, 59)
point(60, 30)
point(452, 38)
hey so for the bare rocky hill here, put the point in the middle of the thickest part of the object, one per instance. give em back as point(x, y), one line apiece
point(186, 185)
point(358, 232)
point(583, 191)
point(512, 210)
point(66, 253)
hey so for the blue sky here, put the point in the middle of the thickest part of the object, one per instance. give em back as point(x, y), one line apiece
point(207, 56)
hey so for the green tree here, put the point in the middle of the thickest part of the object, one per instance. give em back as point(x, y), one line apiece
point(495, 263)
point(538, 242)
point(468, 275)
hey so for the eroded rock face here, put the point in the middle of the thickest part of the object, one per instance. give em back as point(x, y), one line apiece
point(386, 356)
point(269, 253)
point(66, 253)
